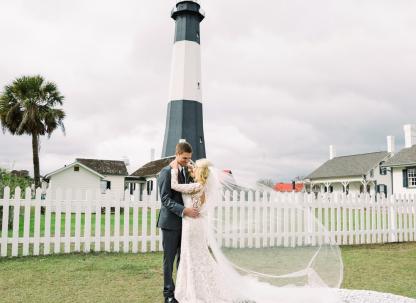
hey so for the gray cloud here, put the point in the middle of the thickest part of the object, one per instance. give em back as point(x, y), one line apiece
point(281, 79)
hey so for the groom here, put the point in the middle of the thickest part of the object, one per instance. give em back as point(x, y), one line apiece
point(170, 217)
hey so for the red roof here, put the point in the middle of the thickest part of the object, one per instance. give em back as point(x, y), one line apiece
point(288, 187)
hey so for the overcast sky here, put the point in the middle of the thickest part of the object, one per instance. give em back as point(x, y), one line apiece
point(282, 80)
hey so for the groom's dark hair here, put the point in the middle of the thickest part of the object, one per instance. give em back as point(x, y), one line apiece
point(183, 147)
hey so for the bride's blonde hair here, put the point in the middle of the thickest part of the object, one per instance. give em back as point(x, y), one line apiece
point(202, 170)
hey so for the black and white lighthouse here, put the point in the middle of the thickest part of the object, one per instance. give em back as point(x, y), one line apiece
point(185, 118)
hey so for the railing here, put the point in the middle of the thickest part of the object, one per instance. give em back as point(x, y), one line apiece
point(196, 1)
point(113, 224)
point(201, 11)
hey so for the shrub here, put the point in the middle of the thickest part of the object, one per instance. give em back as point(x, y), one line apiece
point(8, 179)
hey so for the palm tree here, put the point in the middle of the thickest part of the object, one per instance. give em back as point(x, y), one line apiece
point(28, 107)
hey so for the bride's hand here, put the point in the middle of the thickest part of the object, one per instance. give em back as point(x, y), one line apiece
point(174, 164)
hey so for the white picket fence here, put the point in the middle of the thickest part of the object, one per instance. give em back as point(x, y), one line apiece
point(253, 220)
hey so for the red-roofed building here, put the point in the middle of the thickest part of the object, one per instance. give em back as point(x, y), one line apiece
point(288, 187)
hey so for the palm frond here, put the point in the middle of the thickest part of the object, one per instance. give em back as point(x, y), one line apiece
point(27, 106)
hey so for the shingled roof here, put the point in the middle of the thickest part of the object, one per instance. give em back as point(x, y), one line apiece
point(348, 166)
point(105, 167)
point(153, 168)
point(405, 157)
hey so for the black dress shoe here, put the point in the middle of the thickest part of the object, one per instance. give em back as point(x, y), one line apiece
point(171, 300)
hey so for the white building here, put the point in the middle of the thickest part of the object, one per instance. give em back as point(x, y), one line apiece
point(88, 175)
point(403, 164)
point(361, 173)
point(145, 178)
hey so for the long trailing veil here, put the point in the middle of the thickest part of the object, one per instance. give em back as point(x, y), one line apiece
point(248, 235)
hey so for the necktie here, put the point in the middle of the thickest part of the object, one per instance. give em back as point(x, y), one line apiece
point(183, 174)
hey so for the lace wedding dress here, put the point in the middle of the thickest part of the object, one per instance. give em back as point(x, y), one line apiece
point(205, 276)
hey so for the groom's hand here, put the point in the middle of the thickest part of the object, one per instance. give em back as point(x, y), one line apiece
point(191, 212)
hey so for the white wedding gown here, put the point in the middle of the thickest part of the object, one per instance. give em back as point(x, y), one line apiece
point(203, 278)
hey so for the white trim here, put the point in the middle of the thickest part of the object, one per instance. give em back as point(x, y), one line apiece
point(411, 164)
point(71, 165)
point(408, 177)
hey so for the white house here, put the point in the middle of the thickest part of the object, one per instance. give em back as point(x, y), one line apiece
point(88, 174)
point(361, 173)
point(145, 178)
point(403, 164)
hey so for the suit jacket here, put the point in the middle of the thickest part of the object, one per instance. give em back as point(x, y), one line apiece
point(170, 215)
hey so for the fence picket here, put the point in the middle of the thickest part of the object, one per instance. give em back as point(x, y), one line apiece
point(136, 201)
point(57, 239)
point(36, 236)
point(117, 222)
point(144, 206)
point(5, 222)
point(87, 219)
point(107, 221)
point(257, 233)
point(153, 235)
point(47, 230)
point(26, 222)
point(235, 225)
point(227, 219)
point(242, 230)
point(97, 234)
point(126, 233)
point(78, 203)
point(68, 215)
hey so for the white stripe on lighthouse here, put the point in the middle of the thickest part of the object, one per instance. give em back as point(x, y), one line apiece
point(185, 80)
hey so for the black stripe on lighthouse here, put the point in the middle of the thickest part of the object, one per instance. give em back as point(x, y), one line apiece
point(184, 121)
point(188, 16)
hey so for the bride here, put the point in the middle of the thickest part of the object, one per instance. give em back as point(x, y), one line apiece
point(205, 275)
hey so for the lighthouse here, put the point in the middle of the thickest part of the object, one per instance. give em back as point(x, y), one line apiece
point(184, 116)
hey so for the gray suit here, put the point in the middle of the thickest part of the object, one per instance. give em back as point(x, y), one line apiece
point(170, 221)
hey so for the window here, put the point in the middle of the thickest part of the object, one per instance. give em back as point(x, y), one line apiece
point(76, 168)
point(104, 185)
point(411, 177)
point(382, 189)
point(149, 187)
point(383, 170)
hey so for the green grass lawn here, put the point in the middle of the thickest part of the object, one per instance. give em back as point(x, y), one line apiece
point(138, 277)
